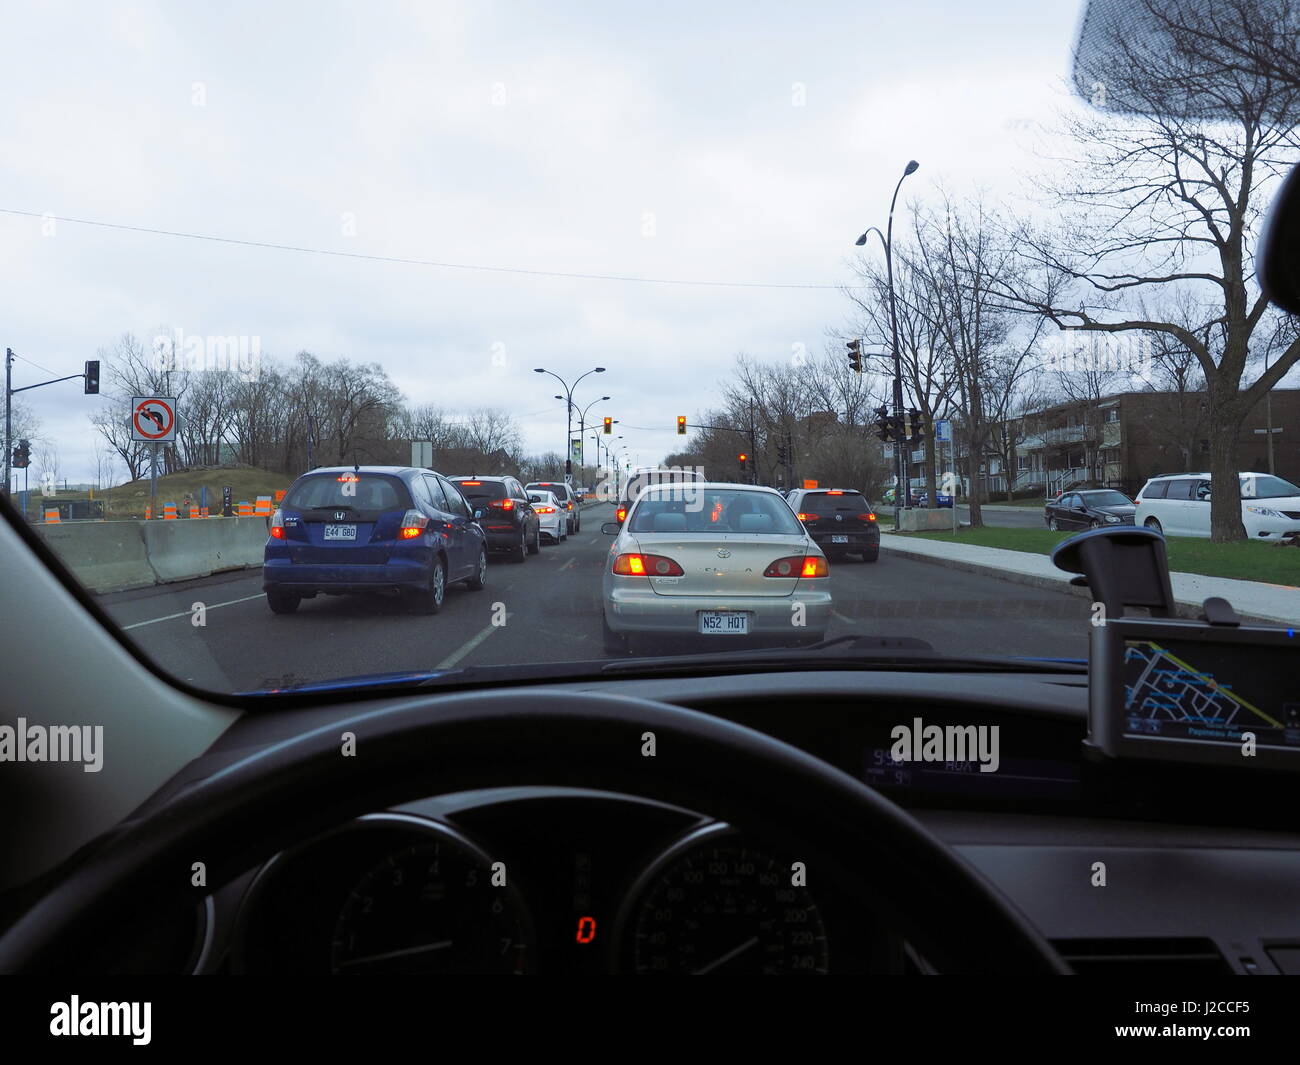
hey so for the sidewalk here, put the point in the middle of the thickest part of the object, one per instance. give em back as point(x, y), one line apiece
point(1256, 602)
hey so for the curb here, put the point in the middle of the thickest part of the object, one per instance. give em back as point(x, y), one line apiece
point(1184, 608)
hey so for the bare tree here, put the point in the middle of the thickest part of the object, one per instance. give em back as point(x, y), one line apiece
point(1169, 201)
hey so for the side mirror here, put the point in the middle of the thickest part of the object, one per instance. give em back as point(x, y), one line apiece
point(1278, 263)
point(610, 528)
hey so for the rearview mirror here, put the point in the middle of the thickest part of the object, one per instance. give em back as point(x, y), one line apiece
point(1278, 261)
point(610, 528)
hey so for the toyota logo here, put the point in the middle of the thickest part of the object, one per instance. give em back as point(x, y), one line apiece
point(723, 553)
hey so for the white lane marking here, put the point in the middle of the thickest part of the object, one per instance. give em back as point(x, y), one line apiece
point(837, 614)
point(572, 562)
point(187, 613)
point(469, 646)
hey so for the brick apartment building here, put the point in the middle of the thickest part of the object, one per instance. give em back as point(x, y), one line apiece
point(1120, 441)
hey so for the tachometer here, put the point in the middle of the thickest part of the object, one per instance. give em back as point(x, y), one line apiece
point(713, 904)
point(434, 907)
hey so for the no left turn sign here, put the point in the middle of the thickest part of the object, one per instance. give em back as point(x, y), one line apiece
point(153, 418)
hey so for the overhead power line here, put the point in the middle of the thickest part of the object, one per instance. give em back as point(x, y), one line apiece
point(419, 262)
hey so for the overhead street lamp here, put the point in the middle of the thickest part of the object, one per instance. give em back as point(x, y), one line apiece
point(568, 410)
point(900, 467)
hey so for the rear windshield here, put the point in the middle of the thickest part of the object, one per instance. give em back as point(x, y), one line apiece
point(826, 503)
point(476, 490)
point(1105, 499)
point(347, 491)
point(694, 510)
point(561, 490)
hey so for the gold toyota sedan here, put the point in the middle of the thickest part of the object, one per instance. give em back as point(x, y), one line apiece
point(713, 564)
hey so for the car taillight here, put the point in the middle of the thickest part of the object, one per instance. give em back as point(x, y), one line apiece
point(277, 525)
point(620, 515)
point(568, 506)
point(502, 504)
point(866, 517)
point(798, 566)
point(543, 510)
point(634, 565)
point(413, 523)
point(807, 517)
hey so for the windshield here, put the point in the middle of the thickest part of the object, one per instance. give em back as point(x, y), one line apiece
point(1265, 487)
point(301, 322)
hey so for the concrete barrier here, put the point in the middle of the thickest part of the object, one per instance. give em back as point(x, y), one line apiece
point(114, 556)
point(921, 519)
point(180, 551)
point(106, 556)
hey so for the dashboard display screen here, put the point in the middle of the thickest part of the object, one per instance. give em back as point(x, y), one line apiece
point(1211, 692)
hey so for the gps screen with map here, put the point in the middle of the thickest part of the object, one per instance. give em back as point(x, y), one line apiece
point(1211, 692)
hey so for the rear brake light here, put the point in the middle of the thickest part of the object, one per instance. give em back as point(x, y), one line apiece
point(471, 484)
point(568, 506)
point(413, 523)
point(277, 525)
point(349, 478)
point(621, 515)
point(807, 517)
point(543, 510)
point(798, 566)
point(502, 504)
point(633, 565)
point(866, 517)
point(834, 493)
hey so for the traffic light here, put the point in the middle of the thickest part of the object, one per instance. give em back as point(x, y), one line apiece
point(609, 426)
point(92, 377)
point(780, 454)
point(916, 428)
point(855, 355)
point(681, 425)
point(882, 424)
point(743, 459)
point(22, 456)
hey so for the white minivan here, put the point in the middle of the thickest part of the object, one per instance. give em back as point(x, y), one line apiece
point(1179, 505)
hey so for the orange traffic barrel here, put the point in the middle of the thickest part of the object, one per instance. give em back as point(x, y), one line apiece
point(148, 512)
point(264, 508)
point(169, 511)
point(52, 517)
point(194, 511)
point(245, 510)
point(203, 512)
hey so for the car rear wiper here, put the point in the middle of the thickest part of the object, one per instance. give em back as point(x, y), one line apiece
point(850, 652)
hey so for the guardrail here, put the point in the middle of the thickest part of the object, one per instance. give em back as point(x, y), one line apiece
point(114, 556)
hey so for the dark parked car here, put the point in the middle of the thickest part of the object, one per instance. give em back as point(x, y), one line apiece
point(358, 529)
point(1089, 508)
point(504, 510)
point(840, 521)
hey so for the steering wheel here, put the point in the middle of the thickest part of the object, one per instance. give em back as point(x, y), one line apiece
point(279, 795)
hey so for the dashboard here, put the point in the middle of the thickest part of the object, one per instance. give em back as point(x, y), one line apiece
point(1200, 864)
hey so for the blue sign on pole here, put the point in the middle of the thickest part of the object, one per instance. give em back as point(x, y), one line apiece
point(943, 432)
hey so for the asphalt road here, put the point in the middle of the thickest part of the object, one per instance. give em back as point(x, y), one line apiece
point(552, 610)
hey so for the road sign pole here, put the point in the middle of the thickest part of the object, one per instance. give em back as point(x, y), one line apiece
point(153, 480)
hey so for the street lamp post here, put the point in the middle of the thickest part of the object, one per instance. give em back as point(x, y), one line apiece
point(568, 410)
point(900, 467)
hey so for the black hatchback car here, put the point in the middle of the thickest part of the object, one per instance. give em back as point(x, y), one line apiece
point(354, 529)
point(1089, 508)
point(503, 509)
point(840, 521)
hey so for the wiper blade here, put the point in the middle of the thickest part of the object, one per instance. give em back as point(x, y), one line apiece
point(368, 680)
point(848, 652)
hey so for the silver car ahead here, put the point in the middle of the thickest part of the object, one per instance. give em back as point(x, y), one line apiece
point(719, 564)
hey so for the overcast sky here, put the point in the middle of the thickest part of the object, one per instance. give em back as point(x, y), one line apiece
point(696, 141)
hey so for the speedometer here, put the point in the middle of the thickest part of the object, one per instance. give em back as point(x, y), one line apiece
point(713, 904)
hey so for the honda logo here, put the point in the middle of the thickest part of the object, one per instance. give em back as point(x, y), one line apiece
point(339, 515)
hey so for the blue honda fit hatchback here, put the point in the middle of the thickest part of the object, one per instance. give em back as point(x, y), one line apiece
point(358, 529)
